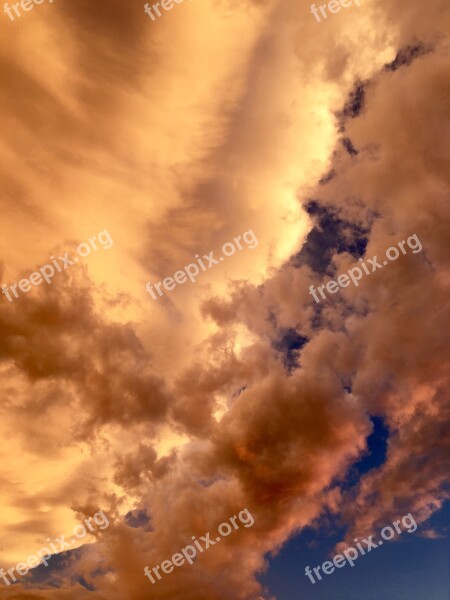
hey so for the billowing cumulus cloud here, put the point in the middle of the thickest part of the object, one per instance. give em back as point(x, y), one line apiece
point(330, 142)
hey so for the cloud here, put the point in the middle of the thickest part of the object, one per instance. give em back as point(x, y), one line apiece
point(238, 391)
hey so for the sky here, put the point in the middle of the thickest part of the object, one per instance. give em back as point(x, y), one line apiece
point(267, 152)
